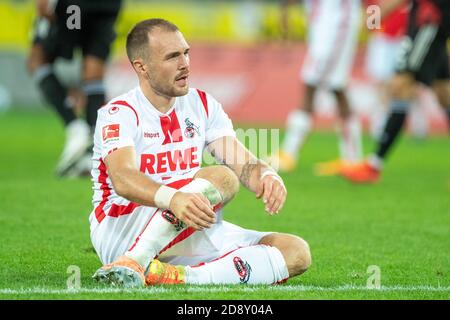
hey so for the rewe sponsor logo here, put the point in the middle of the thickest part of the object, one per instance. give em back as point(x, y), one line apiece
point(168, 161)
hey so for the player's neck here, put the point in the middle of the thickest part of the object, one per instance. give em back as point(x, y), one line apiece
point(160, 102)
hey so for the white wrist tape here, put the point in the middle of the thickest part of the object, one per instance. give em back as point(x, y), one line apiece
point(163, 197)
point(269, 172)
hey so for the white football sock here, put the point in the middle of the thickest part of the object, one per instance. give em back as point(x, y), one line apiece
point(377, 122)
point(298, 126)
point(375, 162)
point(418, 121)
point(163, 227)
point(350, 143)
point(259, 264)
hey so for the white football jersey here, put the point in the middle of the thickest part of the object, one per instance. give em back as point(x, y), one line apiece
point(332, 42)
point(169, 146)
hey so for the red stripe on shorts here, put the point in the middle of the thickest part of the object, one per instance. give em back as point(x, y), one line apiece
point(177, 185)
point(140, 234)
point(121, 210)
point(99, 210)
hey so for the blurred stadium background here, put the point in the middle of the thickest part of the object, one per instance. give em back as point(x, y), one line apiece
point(239, 54)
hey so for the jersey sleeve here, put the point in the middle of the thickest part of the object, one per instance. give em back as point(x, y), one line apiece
point(218, 124)
point(116, 128)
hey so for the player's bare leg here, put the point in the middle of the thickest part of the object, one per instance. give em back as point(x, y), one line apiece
point(93, 71)
point(36, 58)
point(378, 115)
point(224, 181)
point(92, 74)
point(77, 131)
point(40, 67)
point(217, 183)
point(295, 250)
point(299, 124)
point(350, 146)
point(276, 258)
point(403, 90)
point(442, 90)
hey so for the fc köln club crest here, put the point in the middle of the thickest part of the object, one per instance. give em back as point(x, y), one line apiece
point(191, 129)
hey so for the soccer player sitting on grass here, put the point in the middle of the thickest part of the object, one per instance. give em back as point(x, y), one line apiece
point(157, 215)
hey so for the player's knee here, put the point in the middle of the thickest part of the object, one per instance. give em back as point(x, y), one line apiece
point(402, 86)
point(300, 256)
point(35, 59)
point(441, 89)
point(93, 68)
point(295, 251)
point(343, 105)
point(230, 181)
point(220, 176)
point(32, 64)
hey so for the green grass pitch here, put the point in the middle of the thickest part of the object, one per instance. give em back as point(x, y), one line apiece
point(401, 225)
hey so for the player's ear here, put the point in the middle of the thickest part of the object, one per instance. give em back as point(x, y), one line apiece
point(140, 67)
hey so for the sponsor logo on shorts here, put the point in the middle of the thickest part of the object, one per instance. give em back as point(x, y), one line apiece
point(177, 223)
point(243, 269)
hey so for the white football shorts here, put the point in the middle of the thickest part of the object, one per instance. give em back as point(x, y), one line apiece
point(382, 55)
point(115, 235)
point(332, 40)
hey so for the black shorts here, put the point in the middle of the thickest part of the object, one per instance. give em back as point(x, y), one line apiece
point(93, 38)
point(424, 52)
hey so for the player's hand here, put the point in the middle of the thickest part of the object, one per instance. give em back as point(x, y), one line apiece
point(194, 209)
point(273, 192)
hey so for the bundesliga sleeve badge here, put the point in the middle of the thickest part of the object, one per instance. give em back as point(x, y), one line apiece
point(111, 132)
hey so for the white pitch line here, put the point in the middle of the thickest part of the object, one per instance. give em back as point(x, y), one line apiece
point(154, 290)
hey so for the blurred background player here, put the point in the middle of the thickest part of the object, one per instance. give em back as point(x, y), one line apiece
point(332, 41)
point(383, 48)
point(54, 39)
point(424, 59)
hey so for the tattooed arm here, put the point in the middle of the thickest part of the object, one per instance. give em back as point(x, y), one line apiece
point(254, 174)
point(248, 171)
